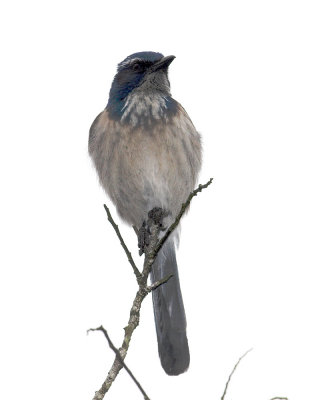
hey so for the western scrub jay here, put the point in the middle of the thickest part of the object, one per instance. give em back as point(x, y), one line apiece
point(147, 154)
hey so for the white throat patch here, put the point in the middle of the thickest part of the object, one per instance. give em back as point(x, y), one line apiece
point(140, 105)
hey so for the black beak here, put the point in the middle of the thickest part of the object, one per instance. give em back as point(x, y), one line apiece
point(163, 63)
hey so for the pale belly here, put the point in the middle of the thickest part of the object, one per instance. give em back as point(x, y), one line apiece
point(153, 172)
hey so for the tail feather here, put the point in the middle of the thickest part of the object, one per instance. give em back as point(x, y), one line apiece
point(169, 314)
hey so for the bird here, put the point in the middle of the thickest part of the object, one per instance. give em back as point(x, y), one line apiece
point(148, 154)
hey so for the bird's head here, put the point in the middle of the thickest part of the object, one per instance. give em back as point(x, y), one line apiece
point(145, 73)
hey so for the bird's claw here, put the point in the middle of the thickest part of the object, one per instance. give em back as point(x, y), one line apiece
point(155, 216)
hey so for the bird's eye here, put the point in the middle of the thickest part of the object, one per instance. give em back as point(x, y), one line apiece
point(137, 67)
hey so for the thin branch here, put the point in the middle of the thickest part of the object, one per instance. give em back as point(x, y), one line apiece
point(134, 319)
point(155, 285)
point(125, 248)
point(279, 398)
point(232, 372)
point(112, 346)
point(184, 206)
point(129, 329)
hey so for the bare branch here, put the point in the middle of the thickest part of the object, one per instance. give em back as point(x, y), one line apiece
point(133, 319)
point(184, 206)
point(232, 372)
point(155, 285)
point(279, 398)
point(112, 346)
point(124, 246)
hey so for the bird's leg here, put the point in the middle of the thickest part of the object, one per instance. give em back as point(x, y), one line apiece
point(143, 237)
point(155, 216)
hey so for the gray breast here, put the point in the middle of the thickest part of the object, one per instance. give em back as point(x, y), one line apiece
point(147, 165)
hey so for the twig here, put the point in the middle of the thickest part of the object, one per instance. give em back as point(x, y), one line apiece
point(129, 329)
point(179, 216)
point(155, 285)
point(112, 346)
point(125, 248)
point(232, 372)
point(230, 376)
point(279, 398)
point(133, 320)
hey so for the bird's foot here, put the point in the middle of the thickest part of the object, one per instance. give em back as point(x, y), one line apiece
point(155, 216)
point(143, 237)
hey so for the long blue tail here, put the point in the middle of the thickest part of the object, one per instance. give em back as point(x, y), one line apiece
point(169, 313)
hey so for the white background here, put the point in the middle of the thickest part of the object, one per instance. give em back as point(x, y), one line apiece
point(247, 72)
